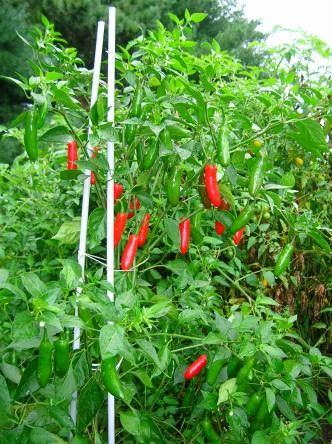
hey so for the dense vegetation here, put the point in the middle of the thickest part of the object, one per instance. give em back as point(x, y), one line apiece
point(264, 330)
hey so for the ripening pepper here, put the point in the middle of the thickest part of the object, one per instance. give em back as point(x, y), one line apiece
point(184, 227)
point(238, 236)
point(129, 252)
point(195, 368)
point(219, 227)
point(119, 226)
point(72, 155)
point(211, 185)
point(131, 206)
point(144, 229)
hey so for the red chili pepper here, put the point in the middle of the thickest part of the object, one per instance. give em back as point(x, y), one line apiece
point(184, 227)
point(196, 367)
point(72, 155)
point(144, 229)
point(211, 185)
point(219, 227)
point(93, 179)
point(118, 189)
point(238, 236)
point(224, 206)
point(119, 226)
point(129, 252)
point(137, 205)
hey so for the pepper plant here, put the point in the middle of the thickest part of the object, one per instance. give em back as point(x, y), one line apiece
point(209, 232)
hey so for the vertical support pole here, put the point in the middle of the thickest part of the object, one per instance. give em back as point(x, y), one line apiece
point(86, 195)
point(110, 195)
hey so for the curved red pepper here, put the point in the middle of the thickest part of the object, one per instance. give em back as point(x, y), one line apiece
point(72, 155)
point(129, 252)
point(184, 227)
point(196, 367)
point(118, 189)
point(211, 185)
point(137, 205)
point(219, 227)
point(238, 236)
point(144, 229)
point(119, 226)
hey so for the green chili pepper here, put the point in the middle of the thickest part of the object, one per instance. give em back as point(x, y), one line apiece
point(165, 139)
point(130, 132)
point(139, 152)
point(223, 154)
point(233, 365)
point(44, 367)
point(111, 377)
point(203, 193)
point(190, 395)
point(244, 371)
point(196, 233)
point(253, 403)
point(61, 356)
point(257, 173)
point(41, 115)
point(242, 219)
point(283, 259)
point(210, 434)
point(30, 136)
point(262, 412)
point(137, 102)
point(173, 185)
point(214, 371)
point(150, 156)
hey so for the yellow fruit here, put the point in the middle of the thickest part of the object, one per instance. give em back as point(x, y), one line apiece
point(265, 283)
point(257, 143)
point(298, 161)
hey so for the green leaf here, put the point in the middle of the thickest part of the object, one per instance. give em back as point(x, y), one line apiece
point(97, 227)
point(274, 352)
point(53, 75)
point(57, 134)
point(41, 436)
point(269, 276)
point(28, 383)
point(69, 232)
point(112, 342)
point(198, 17)
point(270, 398)
point(11, 372)
point(5, 400)
point(71, 273)
point(226, 390)
point(172, 230)
point(319, 240)
point(259, 437)
point(63, 98)
point(310, 135)
point(33, 284)
point(108, 132)
point(90, 400)
point(285, 409)
point(143, 377)
point(131, 422)
point(4, 274)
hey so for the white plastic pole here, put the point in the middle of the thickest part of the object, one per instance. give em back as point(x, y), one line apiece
point(86, 195)
point(110, 194)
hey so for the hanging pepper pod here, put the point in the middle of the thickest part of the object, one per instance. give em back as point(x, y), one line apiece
point(173, 185)
point(242, 219)
point(61, 356)
point(41, 115)
point(118, 190)
point(31, 137)
point(224, 206)
point(131, 206)
point(184, 227)
point(111, 377)
point(219, 227)
point(119, 226)
point(150, 156)
point(223, 153)
point(195, 228)
point(129, 252)
point(72, 155)
point(202, 192)
point(257, 173)
point(211, 185)
point(144, 229)
point(238, 236)
point(136, 106)
point(93, 179)
point(44, 366)
point(283, 259)
point(195, 368)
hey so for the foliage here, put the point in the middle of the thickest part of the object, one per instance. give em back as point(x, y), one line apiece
point(218, 299)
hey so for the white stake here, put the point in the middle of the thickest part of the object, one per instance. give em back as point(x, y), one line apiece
point(110, 193)
point(86, 195)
